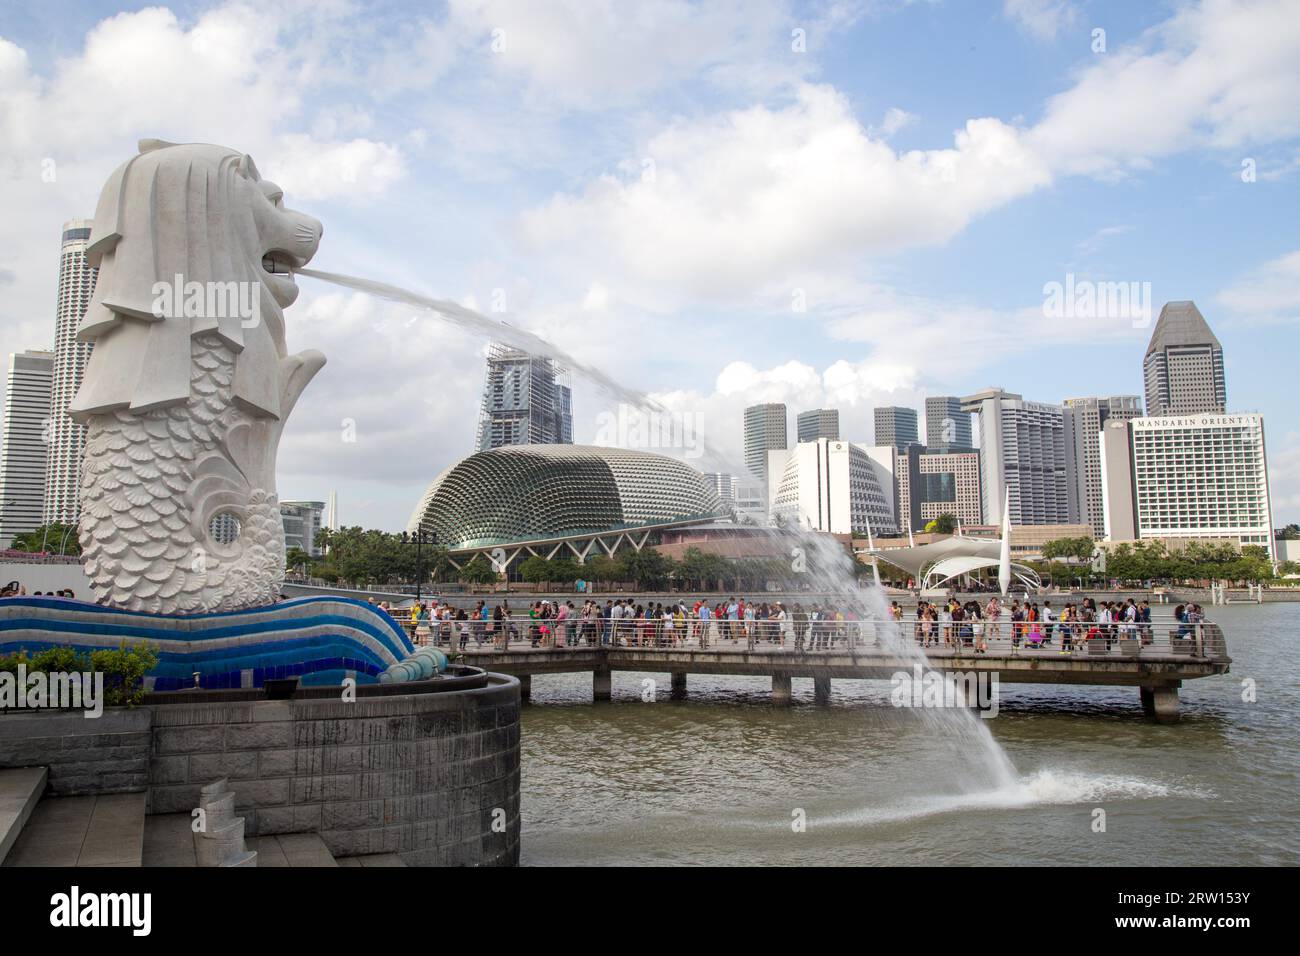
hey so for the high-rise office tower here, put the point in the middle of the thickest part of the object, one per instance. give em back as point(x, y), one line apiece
point(1189, 476)
point(725, 485)
point(764, 432)
point(938, 481)
point(527, 400)
point(23, 448)
point(1183, 367)
point(1022, 450)
point(302, 525)
point(67, 439)
point(896, 426)
point(818, 423)
point(1084, 420)
point(950, 484)
point(947, 426)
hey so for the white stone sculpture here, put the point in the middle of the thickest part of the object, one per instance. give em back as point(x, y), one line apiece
point(189, 382)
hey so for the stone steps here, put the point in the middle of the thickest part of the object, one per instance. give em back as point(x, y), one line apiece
point(292, 849)
point(20, 791)
point(105, 830)
point(171, 841)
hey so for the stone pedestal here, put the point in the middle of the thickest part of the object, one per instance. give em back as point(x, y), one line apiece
point(601, 684)
point(1160, 703)
point(781, 689)
point(822, 690)
point(679, 685)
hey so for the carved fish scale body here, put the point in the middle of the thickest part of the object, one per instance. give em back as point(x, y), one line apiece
point(151, 484)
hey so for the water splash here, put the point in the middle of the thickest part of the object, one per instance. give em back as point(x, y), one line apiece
point(1044, 788)
point(979, 763)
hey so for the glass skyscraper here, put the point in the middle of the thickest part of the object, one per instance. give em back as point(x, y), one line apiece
point(527, 400)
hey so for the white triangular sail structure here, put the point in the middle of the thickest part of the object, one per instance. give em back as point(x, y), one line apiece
point(875, 565)
point(1004, 564)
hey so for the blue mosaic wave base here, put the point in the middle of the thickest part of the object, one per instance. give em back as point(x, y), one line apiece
point(320, 640)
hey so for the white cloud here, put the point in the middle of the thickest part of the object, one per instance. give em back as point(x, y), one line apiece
point(855, 389)
point(1221, 74)
point(359, 168)
point(1093, 243)
point(591, 53)
point(736, 206)
point(232, 77)
point(1270, 293)
point(409, 386)
point(1284, 479)
point(895, 119)
point(754, 195)
point(1043, 19)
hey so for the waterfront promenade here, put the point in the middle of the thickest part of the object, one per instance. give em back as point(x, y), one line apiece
point(1156, 659)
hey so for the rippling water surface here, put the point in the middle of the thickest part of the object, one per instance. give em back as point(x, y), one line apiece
point(718, 778)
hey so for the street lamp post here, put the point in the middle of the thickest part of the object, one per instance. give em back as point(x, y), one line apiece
point(420, 536)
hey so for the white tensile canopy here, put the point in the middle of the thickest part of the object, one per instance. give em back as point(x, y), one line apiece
point(943, 571)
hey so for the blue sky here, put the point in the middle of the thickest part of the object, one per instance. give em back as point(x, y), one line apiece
point(653, 187)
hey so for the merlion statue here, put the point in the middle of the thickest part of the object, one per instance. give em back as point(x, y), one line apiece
point(189, 382)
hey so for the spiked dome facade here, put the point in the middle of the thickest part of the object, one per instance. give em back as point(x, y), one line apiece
point(521, 493)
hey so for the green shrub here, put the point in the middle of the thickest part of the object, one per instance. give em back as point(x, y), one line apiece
point(123, 669)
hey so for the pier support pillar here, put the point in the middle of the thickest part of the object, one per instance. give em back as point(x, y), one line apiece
point(821, 690)
point(601, 683)
point(679, 685)
point(781, 689)
point(526, 687)
point(1160, 703)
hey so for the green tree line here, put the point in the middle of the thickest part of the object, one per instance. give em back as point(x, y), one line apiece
point(362, 558)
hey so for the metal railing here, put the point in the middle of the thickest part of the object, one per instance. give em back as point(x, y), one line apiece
point(1001, 638)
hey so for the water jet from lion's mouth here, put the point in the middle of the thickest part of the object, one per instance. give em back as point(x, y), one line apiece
point(979, 761)
point(525, 341)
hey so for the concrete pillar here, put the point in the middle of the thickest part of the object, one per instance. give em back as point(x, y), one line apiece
point(822, 690)
point(526, 687)
point(601, 683)
point(781, 689)
point(679, 684)
point(1160, 703)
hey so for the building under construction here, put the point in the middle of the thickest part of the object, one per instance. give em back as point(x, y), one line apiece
point(527, 400)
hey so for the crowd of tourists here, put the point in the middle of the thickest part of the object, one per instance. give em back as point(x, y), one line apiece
point(16, 589)
point(972, 624)
point(629, 623)
point(703, 622)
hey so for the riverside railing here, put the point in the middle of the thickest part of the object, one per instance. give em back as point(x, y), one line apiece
point(1161, 637)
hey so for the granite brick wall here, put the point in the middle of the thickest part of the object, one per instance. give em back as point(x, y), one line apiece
point(105, 754)
point(433, 777)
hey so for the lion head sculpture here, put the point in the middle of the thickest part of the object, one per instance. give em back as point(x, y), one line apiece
point(189, 217)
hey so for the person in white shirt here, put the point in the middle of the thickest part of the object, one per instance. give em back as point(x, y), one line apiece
point(1049, 619)
point(782, 626)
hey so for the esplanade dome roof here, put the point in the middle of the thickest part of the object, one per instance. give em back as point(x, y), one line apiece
point(529, 492)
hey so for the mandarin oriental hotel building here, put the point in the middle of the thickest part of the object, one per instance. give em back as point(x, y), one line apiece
point(1201, 476)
